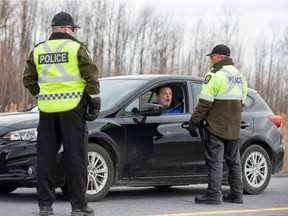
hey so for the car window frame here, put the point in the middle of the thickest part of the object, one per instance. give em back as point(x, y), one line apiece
point(181, 84)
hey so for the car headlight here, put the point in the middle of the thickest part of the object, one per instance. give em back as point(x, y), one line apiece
point(25, 135)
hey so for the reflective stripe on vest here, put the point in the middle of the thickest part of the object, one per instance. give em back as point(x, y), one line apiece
point(234, 90)
point(65, 77)
point(60, 96)
point(60, 82)
point(228, 85)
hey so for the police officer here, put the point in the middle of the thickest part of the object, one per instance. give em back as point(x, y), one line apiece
point(61, 74)
point(220, 104)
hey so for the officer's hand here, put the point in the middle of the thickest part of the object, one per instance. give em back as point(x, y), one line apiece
point(193, 129)
point(93, 109)
point(92, 116)
point(193, 125)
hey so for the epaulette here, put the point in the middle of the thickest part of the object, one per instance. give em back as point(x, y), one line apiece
point(216, 69)
point(39, 43)
point(83, 44)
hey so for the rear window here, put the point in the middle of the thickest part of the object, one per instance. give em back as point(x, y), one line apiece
point(249, 102)
point(114, 90)
point(255, 101)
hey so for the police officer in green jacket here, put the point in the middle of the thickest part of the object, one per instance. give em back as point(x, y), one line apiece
point(220, 104)
point(64, 79)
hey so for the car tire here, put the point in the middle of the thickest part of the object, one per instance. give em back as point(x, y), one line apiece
point(7, 189)
point(256, 169)
point(100, 173)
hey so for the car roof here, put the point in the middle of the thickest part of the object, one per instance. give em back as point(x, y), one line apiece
point(160, 77)
point(154, 77)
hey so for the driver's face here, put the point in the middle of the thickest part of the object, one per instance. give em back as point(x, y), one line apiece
point(165, 96)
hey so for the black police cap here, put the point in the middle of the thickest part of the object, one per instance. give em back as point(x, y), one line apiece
point(63, 18)
point(220, 49)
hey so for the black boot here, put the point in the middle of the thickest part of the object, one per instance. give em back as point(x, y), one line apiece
point(206, 199)
point(83, 212)
point(233, 198)
point(45, 210)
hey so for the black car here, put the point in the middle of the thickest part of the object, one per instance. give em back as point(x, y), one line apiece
point(133, 144)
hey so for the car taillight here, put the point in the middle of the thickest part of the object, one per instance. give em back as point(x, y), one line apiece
point(276, 120)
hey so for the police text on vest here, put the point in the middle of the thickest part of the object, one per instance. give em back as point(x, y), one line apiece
point(235, 79)
point(52, 58)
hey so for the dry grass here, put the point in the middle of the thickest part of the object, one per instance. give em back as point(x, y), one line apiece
point(12, 107)
point(284, 128)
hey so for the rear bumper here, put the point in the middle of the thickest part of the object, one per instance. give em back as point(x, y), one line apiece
point(278, 159)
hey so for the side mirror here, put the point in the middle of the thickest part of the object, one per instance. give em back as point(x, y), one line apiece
point(150, 109)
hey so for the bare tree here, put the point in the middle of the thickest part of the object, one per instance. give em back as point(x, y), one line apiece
point(6, 52)
point(27, 14)
point(122, 41)
point(138, 35)
point(229, 25)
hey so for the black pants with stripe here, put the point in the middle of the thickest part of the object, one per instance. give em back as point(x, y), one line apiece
point(68, 128)
point(216, 149)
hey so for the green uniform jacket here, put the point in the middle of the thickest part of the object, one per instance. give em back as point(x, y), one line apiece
point(88, 69)
point(223, 116)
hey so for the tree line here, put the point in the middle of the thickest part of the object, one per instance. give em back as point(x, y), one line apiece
point(125, 42)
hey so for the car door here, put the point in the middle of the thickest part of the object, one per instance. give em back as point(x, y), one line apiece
point(158, 146)
point(196, 87)
point(247, 121)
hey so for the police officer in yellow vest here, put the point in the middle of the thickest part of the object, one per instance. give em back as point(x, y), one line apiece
point(220, 104)
point(63, 77)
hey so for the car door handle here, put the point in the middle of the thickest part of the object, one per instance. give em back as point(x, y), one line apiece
point(244, 124)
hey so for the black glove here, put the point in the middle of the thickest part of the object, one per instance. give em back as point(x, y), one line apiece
point(193, 129)
point(93, 109)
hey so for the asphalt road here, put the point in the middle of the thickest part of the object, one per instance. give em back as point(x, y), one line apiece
point(176, 201)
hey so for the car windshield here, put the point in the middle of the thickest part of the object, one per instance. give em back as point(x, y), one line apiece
point(114, 90)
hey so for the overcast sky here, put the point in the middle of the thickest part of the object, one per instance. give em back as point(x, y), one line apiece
point(257, 17)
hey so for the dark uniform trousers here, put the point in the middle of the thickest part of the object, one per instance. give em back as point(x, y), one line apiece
point(68, 128)
point(216, 149)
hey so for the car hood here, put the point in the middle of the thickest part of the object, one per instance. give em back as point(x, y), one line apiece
point(18, 120)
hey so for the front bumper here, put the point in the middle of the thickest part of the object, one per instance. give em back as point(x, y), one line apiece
point(18, 164)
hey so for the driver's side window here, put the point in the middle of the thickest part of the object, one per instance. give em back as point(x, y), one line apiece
point(177, 104)
point(133, 107)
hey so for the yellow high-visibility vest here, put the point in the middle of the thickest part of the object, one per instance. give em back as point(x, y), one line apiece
point(59, 79)
point(230, 84)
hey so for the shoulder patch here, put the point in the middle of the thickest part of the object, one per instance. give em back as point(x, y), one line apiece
point(207, 79)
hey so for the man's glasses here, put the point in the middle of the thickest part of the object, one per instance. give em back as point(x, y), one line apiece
point(72, 28)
